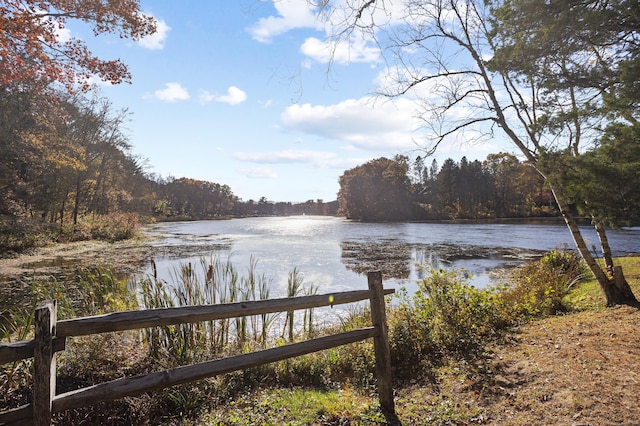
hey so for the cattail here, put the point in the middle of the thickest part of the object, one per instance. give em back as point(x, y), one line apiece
point(210, 273)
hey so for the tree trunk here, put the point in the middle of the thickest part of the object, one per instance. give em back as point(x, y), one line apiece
point(604, 244)
point(614, 295)
point(621, 288)
point(76, 206)
point(62, 214)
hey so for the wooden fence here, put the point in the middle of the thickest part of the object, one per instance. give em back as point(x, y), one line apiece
point(50, 337)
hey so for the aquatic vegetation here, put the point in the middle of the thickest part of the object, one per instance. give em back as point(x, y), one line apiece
point(216, 280)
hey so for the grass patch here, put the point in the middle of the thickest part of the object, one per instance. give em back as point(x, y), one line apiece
point(297, 406)
point(588, 294)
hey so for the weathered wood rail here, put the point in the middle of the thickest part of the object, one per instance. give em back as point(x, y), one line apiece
point(50, 337)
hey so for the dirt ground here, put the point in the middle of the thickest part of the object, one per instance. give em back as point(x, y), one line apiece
point(579, 369)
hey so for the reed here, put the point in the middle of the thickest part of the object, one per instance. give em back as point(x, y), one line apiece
point(267, 320)
point(308, 324)
point(294, 288)
point(89, 291)
point(216, 280)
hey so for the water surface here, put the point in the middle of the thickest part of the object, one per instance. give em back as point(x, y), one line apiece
point(334, 254)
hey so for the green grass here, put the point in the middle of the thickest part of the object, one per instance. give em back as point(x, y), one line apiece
point(588, 296)
point(297, 406)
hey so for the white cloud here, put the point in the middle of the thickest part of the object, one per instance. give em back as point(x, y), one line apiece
point(234, 96)
point(320, 159)
point(287, 156)
point(291, 14)
point(259, 173)
point(362, 122)
point(94, 81)
point(341, 53)
point(156, 40)
point(63, 34)
point(206, 96)
point(173, 92)
point(430, 97)
point(360, 44)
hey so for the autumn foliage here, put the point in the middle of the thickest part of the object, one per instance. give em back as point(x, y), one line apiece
point(35, 45)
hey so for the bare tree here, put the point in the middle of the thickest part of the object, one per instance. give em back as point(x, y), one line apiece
point(440, 52)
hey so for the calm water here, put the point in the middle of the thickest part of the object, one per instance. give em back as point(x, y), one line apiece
point(334, 254)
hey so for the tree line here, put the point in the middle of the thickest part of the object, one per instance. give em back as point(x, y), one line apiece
point(189, 199)
point(501, 186)
point(67, 172)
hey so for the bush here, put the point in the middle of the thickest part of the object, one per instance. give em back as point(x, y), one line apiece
point(538, 288)
point(446, 316)
point(20, 234)
point(112, 227)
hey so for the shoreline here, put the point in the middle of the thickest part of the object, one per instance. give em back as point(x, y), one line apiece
point(125, 256)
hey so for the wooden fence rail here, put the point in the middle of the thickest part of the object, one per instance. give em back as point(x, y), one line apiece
point(50, 337)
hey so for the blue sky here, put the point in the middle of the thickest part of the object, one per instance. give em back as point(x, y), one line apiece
point(241, 93)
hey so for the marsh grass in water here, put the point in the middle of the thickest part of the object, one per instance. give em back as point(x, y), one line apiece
point(216, 280)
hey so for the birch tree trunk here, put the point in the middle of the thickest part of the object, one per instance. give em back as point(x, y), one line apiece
point(604, 244)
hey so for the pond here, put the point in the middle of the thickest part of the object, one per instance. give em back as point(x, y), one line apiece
point(334, 254)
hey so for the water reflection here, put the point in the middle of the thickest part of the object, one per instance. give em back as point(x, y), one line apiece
point(405, 263)
point(334, 254)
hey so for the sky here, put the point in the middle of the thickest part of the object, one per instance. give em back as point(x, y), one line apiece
point(242, 93)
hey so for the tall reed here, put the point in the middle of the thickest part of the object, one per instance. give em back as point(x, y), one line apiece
point(294, 288)
point(215, 281)
point(308, 324)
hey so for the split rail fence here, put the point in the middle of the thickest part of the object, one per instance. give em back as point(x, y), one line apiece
point(50, 337)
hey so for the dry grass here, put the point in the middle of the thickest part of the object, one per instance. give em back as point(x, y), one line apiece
point(576, 369)
point(579, 369)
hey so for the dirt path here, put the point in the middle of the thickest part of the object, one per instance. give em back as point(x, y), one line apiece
point(582, 369)
point(577, 370)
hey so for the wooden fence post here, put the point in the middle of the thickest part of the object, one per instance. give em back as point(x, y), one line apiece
point(381, 344)
point(44, 363)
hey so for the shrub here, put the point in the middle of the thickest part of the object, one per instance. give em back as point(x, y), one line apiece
point(409, 340)
point(538, 288)
point(20, 234)
point(446, 316)
point(112, 227)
